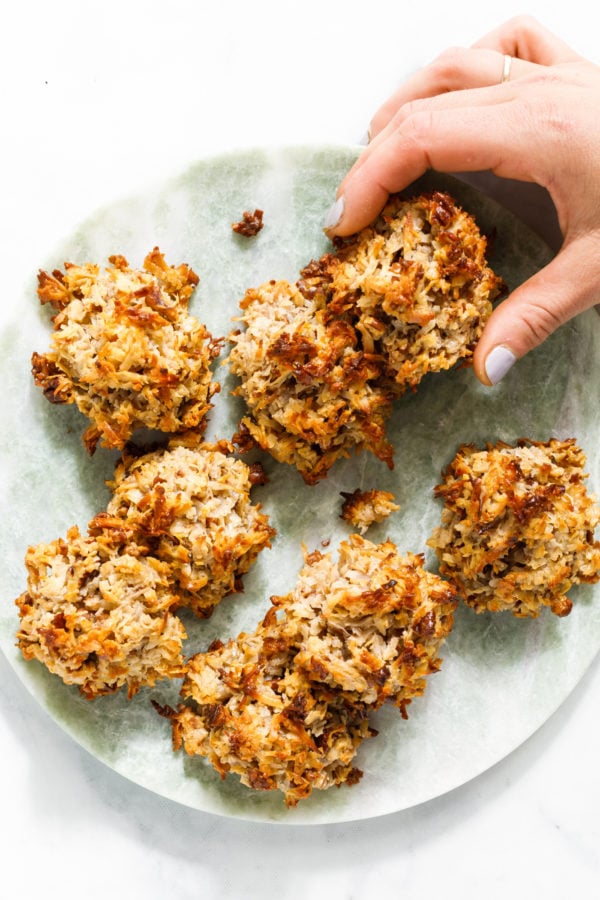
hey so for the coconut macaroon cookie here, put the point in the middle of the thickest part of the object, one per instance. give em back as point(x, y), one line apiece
point(250, 712)
point(517, 527)
point(287, 706)
point(369, 623)
point(180, 530)
point(310, 388)
point(319, 361)
point(125, 350)
point(98, 615)
point(191, 508)
point(419, 285)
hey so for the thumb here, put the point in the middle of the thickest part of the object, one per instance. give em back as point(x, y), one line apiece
point(565, 287)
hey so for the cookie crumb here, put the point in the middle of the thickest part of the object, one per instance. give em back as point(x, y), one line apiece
point(250, 223)
point(363, 508)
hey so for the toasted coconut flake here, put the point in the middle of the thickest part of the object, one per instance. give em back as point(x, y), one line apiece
point(518, 526)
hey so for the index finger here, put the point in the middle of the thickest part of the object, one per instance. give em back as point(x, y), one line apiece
point(488, 137)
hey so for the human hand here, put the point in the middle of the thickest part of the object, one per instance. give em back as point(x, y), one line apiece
point(538, 122)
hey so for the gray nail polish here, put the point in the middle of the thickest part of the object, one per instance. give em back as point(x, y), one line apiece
point(498, 362)
point(334, 215)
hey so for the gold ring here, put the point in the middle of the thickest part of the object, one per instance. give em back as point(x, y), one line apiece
point(506, 68)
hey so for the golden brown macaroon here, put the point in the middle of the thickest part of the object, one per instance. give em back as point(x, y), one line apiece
point(180, 530)
point(310, 389)
point(363, 508)
point(125, 350)
point(251, 713)
point(418, 282)
point(191, 508)
point(370, 623)
point(319, 361)
point(518, 526)
point(287, 706)
point(98, 615)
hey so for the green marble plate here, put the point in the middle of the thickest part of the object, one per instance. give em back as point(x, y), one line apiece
point(501, 677)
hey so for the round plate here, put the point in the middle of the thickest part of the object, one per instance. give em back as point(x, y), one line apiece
point(501, 677)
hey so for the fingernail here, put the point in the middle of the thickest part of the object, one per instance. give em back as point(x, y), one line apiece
point(498, 362)
point(365, 139)
point(334, 215)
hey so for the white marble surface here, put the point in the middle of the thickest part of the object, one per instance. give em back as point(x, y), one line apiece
point(96, 100)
